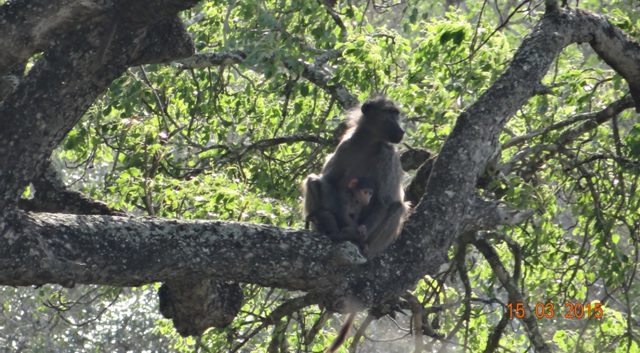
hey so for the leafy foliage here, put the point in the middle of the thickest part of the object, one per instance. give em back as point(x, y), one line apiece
point(233, 142)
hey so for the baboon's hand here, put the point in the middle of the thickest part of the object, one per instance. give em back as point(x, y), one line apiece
point(365, 249)
point(350, 233)
point(362, 229)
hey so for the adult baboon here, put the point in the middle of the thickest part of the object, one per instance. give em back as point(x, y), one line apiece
point(365, 150)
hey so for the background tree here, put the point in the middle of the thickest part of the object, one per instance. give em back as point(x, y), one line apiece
point(186, 110)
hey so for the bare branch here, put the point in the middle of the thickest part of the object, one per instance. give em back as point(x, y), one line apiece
point(510, 285)
point(417, 311)
point(598, 117)
point(125, 251)
point(593, 120)
point(314, 73)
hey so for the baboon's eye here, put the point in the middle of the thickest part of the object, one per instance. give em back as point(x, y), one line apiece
point(392, 116)
point(392, 113)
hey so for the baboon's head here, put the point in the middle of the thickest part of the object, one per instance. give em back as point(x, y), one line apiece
point(380, 118)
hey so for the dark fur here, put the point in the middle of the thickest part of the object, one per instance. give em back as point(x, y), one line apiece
point(362, 183)
point(326, 209)
point(367, 150)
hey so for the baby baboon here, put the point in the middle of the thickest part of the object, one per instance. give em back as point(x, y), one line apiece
point(365, 150)
point(360, 191)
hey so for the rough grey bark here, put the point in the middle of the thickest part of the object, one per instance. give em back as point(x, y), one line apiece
point(66, 249)
point(30, 26)
point(90, 53)
point(71, 74)
point(442, 214)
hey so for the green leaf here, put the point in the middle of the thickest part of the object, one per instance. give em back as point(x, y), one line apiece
point(615, 238)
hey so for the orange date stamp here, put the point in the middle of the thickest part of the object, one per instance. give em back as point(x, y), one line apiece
point(548, 310)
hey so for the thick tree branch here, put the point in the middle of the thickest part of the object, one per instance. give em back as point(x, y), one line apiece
point(616, 48)
point(30, 26)
point(68, 249)
point(434, 225)
point(127, 251)
point(69, 77)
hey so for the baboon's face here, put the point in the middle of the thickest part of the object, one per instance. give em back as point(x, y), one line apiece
point(392, 126)
point(363, 196)
point(383, 120)
point(386, 125)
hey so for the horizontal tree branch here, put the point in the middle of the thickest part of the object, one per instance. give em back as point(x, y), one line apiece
point(67, 249)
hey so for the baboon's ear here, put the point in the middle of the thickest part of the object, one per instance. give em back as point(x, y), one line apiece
point(366, 107)
point(353, 183)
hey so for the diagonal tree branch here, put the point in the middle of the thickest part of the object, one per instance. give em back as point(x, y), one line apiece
point(435, 223)
point(31, 26)
point(48, 103)
point(514, 294)
point(600, 116)
point(53, 196)
point(591, 121)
